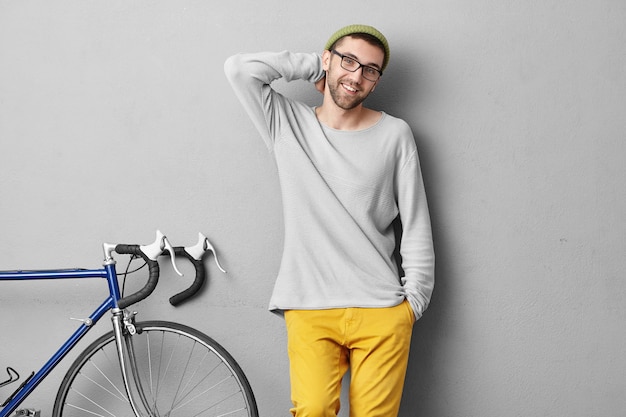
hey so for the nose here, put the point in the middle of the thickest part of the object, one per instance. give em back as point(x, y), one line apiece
point(356, 76)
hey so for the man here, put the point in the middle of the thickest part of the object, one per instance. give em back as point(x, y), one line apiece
point(346, 173)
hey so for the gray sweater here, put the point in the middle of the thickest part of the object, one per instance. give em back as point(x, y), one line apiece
point(341, 192)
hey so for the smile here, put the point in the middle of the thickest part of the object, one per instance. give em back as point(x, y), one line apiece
point(349, 88)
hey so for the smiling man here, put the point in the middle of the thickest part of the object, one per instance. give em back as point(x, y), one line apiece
point(347, 173)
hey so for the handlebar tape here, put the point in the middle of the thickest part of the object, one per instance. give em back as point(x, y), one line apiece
point(179, 298)
point(153, 277)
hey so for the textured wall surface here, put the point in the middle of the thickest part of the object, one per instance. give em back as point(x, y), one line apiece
point(116, 119)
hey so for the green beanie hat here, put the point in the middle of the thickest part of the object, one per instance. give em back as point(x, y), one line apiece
point(352, 29)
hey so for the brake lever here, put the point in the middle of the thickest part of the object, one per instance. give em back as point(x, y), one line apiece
point(203, 246)
point(158, 247)
point(195, 254)
point(170, 249)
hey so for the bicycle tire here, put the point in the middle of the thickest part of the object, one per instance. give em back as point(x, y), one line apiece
point(183, 373)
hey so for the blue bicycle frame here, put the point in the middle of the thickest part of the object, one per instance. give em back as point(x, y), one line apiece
point(108, 272)
point(114, 303)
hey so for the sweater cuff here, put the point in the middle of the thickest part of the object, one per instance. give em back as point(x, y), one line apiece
point(414, 299)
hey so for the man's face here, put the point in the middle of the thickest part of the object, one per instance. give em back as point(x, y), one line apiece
point(349, 89)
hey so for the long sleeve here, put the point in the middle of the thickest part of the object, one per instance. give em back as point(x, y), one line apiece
point(251, 75)
point(416, 246)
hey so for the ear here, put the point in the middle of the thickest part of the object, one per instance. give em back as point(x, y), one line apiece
point(326, 60)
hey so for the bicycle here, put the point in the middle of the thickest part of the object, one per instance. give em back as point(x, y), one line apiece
point(145, 369)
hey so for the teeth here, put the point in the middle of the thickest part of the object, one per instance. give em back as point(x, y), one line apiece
point(347, 87)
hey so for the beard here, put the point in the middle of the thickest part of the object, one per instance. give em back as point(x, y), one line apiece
point(343, 100)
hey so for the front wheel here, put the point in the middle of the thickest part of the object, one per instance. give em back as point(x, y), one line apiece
point(182, 372)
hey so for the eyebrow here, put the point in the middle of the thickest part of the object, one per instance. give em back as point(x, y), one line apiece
point(373, 65)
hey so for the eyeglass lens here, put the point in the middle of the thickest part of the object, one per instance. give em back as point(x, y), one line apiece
point(351, 64)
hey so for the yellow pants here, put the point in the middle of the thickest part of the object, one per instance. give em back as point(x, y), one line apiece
point(373, 342)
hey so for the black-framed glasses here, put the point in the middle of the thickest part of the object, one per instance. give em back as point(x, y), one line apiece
point(350, 64)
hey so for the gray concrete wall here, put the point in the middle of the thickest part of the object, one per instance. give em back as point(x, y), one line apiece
point(116, 119)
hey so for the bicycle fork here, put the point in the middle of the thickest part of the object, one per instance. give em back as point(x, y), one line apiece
point(124, 330)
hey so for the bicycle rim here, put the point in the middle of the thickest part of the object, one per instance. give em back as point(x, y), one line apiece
point(182, 373)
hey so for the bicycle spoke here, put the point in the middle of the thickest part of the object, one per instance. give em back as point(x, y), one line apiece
point(182, 379)
point(106, 389)
point(113, 365)
point(94, 403)
point(169, 362)
point(217, 403)
point(208, 375)
point(180, 372)
point(85, 410)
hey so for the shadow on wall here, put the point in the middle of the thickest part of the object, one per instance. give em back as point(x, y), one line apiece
point(423, 393)
point(392, 95)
